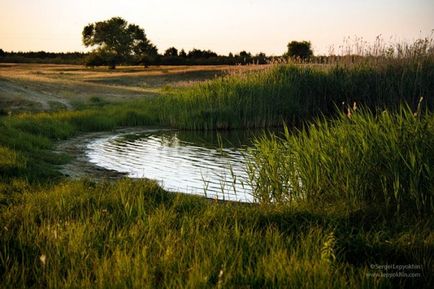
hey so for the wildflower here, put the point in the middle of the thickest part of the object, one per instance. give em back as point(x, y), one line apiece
point(354, 106)
point(220, 279)
point(221, 274)
point(43, 259)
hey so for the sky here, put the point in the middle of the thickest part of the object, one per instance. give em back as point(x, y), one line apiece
point(222, 25)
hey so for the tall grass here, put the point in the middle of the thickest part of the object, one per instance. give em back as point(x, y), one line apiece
point(293, 93)
point(382, 160)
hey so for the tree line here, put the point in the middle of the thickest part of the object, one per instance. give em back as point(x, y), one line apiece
point(116, 42)
point(193, 57)
point(43, 57)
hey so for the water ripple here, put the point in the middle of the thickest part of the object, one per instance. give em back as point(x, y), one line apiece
point(175, 160)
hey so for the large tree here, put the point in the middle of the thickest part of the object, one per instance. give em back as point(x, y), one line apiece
point(299, 49)
point(117, 41)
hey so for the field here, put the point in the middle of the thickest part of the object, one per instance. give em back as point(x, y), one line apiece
point(44, 87)
point(344, 194)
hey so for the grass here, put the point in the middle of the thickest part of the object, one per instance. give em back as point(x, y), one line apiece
point(292, 94)
point(37, 87)
point(336, 199)
point(382, 160)
point(132, 234)
point(270, 97)
point(32, 136)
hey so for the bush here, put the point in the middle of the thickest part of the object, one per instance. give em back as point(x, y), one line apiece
point(95, 59)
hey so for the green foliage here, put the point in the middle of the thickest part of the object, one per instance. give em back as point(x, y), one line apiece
point(117, 41)
point(380, 161)
point(9, 159)
point(96, 59)
point(43, 57)
point(172, 51)
point(299, 50)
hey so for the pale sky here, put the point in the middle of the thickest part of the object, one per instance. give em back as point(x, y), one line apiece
point(223, 26)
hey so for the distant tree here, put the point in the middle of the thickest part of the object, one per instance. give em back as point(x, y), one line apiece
point(2, 53)
point(230, 55)
point(117, 41)
point(244, 57)
point(260, 58)
point(197, 53)
point(245, 54)
point(299, 49)
point(182, 53)
point(172, 51)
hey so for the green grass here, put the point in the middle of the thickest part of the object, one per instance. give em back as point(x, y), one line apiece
point(32, 136)
point(293, 94)
point(382, 160)
point(336, 198)
point(132, 234)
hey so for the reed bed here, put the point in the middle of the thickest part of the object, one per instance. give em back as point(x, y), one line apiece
point(291, 94)
point(361, 159)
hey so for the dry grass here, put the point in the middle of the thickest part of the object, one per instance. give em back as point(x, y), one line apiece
point(43, 87)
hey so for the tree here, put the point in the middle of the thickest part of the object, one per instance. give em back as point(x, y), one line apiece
point(117, 41)
point(172, 51)
point(2, 53)
point(299, 49)
point(244, 57)
point(245, 54)
point(146, 53)
point(260, 58)
point(95, 59)
point(182, 53)
point(197, 53)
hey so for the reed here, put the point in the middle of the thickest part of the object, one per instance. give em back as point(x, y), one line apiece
point(361, 159)
point(294, 93)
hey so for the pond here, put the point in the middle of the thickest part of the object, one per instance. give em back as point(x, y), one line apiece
point(204, 163)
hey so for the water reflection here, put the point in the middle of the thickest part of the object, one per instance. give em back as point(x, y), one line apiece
point(207, 164)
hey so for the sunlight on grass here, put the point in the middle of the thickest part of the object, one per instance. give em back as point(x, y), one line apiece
point(348, 189)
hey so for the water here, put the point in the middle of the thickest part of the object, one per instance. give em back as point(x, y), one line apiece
point(208, 164)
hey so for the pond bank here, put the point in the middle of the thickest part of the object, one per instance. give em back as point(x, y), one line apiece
point(208, 164)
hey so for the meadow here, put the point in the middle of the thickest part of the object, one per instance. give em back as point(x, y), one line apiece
point(48, 87)
point(346, 190)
